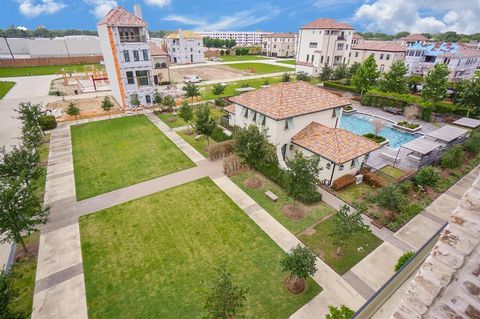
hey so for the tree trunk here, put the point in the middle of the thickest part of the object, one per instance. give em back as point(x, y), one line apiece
point(76, 121)
point(24, 247)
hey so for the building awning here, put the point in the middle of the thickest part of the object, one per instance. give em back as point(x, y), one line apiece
point(422, 146)
point(467, 122)
point(447, 133)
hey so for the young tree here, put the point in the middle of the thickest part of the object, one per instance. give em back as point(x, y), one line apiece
point(218, 89)
point(395, 79)
point(224, 299)
point(342, 312)
point(157, 98)
point(340, 72)
point(191, 91)
point(204, 122)
point(378, 125)
point(435, 87)
point(169, 102)
point(186, 113)
point(365, 77)
point(72, 110)
point(325, 74)
point(21, 210)
point(300, 263)
point(469, 95)
point(107, 105)
point(135, 101)
point(353, 68)
point(301, 175)
point(413, 82)
point(20, 162)
point(32, 133)
point(285, 77)
point(347, 224)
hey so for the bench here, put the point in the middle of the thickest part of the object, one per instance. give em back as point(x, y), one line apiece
point(388, 156)
point(197, 137)
point(271, 195)
point(414, 157)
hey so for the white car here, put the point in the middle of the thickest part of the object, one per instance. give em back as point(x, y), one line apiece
point(191, 79)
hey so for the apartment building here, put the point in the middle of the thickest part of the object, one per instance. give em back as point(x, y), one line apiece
point(462, 61)
point(247, 38)
point(412, 39)
point(160, 64)
point(357, 38)
point(323, 41)
point(384, 52)
point(185, 47)
point(279, 44)
point(125, 46)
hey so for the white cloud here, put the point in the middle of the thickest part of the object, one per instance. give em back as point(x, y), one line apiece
point(33, 8)
point(100, 8)
point(158, 3)
point(20, 27)
point(420, 16)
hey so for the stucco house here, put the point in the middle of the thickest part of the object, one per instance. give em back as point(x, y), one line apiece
point(185, 47)
point(384, 52)
point(304, 117)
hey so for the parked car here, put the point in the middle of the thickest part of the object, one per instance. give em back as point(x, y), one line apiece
point(215, 59)
point(191, 79)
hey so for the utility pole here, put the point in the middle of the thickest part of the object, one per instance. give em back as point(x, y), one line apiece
point(8, 46)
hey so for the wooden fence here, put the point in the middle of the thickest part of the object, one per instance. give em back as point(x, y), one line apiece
point(19, 63)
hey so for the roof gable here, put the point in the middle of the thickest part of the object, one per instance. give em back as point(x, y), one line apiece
point(122, 18)
point(326, 23)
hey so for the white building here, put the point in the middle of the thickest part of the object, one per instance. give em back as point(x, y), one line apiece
point(126, 53)
point(185, 47)
point(304, 117)
point(412, 39)
point(280, 44)
point(323, 41)
point(462, 61)
point(160, 64)
point(384, 52)
point(243, 38)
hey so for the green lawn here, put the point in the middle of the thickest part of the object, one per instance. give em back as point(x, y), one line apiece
point(260, 68)
point(199, 144)
point(112, 154)
point(166, 118)
point(477, 73)
point(206, 90)
point(230, 58)
point(21, 280)
point(154, 257)
point(293, 62)
point(5, 86)
point(43, 70)
point(353, 192)
point(312, 212)
point(43, 152)
point(321, 242)
point(392, 171)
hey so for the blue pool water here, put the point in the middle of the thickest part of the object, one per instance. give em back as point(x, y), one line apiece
point(362, 124)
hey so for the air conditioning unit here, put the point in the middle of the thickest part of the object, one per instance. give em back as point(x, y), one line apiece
point(358, 178)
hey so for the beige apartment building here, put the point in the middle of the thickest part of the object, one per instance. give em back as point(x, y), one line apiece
point(384, 52)
point(160, 64)
point(279, 45)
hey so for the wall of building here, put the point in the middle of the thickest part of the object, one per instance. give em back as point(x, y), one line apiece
point(382, 58)
point(185, 50)
point(242, 38)
point(279, 47)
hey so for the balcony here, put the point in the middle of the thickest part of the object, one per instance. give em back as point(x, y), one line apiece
point(133, 38)
point(160, 65)
point(132, 34)
point(341, 38)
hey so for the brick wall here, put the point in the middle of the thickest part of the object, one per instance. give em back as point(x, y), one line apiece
point(18, 63)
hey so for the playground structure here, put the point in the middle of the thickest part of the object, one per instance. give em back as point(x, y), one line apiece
point(90, 79)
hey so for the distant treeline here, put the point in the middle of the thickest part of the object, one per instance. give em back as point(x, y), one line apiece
point(449, 36)
point(218, 43)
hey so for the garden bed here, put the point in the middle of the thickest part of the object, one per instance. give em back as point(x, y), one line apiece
point(376, 138)
point(406, 126)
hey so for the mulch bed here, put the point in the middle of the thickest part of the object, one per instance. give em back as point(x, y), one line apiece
point(32, 252)
point(291, 212)
point(295, 286)
point(253, 182)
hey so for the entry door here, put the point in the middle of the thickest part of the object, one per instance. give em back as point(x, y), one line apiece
point(155, 79)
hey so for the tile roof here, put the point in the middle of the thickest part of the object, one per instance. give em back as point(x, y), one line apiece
point(155, 50)
point(414, 37)
point(335, 144)
point(357, 36)
point(121, 17)
point(280, 35)
point(185, 34)
point(229, 108)
point(388, 46)
point(288, 99)
point(326, 23)
point(447, 284)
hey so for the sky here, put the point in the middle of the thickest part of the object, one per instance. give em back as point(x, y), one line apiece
point(389, 16)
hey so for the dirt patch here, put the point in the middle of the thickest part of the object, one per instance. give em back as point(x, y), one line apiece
point(215, 72)
point(291, 212)
point(85, 105)
point(295, 286)
point(310, 231)
point(253, 182)
point(32, 252)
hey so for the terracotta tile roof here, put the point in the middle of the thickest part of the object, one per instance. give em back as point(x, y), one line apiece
point(280, 35)
point(335, 144)
point(447, 284)
point(357, 36)
point(230, 108)
point(185, 34)
point(388, 46)
point(121, 17)
point(414, 37)
point(155, 50)
point(325, 23)
point(288, 99)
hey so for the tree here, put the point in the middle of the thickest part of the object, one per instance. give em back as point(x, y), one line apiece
point(72, 110)
point(469, 95)
point(326, 73)
point(107, 105)
point(157, 98)
point(303, 76)
point(340, 72)
point(395, 79)
point(186, 113)
point(5, 312)
point(378, 125)
point(32, 133)
point(191, 91)
point(353, 68)
point(435, 87)
point(224, 299)
point(285, 77)
point(169, 102)
point(301, 175)
point(20, 162)
point(413, 81)
point(300, 263)
point(401, 34)
point(218, 89)
point(135, 101)
point(365, 77)
point(21, 210)
point(342, 312)
point(347, 224)
point(252, 146)
point(204, 123)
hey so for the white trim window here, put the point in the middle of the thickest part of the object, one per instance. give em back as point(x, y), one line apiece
point(289, 124)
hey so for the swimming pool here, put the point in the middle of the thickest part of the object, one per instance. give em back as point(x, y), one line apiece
point(362, 124)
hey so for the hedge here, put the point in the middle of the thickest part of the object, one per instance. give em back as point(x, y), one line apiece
point(47, 122)
point(343, 181)
point(372, 179)
point(339, 86)
point(375, 138)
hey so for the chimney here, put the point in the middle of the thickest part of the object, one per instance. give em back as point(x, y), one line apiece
point(137, 10)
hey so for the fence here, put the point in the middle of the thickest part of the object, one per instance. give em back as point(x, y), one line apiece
point(220, 150)
point(387, 177)
point(19, 63)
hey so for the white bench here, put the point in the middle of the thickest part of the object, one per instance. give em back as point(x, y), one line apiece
point(388, 156)
point(414, 157)
point(271, 195)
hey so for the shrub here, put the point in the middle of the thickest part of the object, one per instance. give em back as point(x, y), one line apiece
point(403, 259)
point(405, 187)
point(374, 137)
point(219, 136)
point(453, 158)
point(391, 198)
point(221, 102)
point(372, 179)
point(408, 212)
point(472, 145)
point(408, 124)
point(220, 150)
point(47, 122)
point(343, 181)
point(427, 176)
point(339, 86)
point(426, 114)
point(348, 108)
point(303, 76)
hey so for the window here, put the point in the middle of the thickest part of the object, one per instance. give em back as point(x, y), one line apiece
point(340, 167)
point(308, 57)
point(246, 114)
point(136, 57)
point(388, 56)
point(313, 44)
point(254, 119)
point(142, 78)
point(145, 54)
point(312, 57)
point(353, 163)
point(148, 99)
point(321, 59)
point(264, 120)
point(126, 55)
point(289, 124)
point(340, 46)
point(381, 56)
point(356, 54)
point(130, 79)
point(382, 68)
point(328, 165)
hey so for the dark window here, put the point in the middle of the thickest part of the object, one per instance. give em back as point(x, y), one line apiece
point(136, 56)
point(130, 79)
point(264, 120)
point(148, 99)
point(388, 56)
point(126, 55)
point(254, 117)
point(145, 54)
point(246, 114)
point(142, 77)
point(321, 59)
